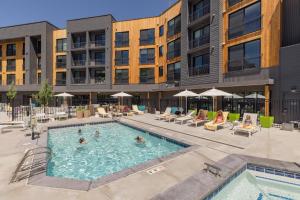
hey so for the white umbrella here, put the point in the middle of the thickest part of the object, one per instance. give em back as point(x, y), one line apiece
point(64, 95)
point(215, 93)
point(234, 96)
point(255, 96)
point(121, 95)
point(186, 94)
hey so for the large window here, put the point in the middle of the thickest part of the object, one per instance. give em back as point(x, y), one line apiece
point(61, 45)
point(147, 56)
point(199, 65)
point(161, 51)
point(233, 2)
point(39, 63)
point(147, 75)
point(97, 75)
point(61, 61)
point(122, 39)
point(244, 21)
point(200, 37)
point(79, 59)
point(174, 49)
point(11, 65)
point(24, 78)
point(78, 76)
point(121, 76)
point(122, 58)
point(174, 26)
point(39, 78)
point(61, 78)
point(200, 9)
point(173, 72)
point(99, 58)
point(161, 71)
point(0, 79)
point(10, 79)
point(11, 50)
point(244, 56)
point(79, 40)
point(161, 30)
point(0, 50)
point(0, 65)
point(38, 46)
point(147, 37)
point(97, 38)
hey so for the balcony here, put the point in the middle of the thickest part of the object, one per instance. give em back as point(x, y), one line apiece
point(251, 26)
point(78, 62)
point(78, 80)
point(173, 54)
point(96, 62)
point(146, 60)
point(60, 82)
point(78, 45)
point(199, 13)
point(122, 62)
point(147, 80)
point(61, 65)
point(199, 42)
point(97, 43)
point(244, 64)
point(122, 43)
point(199, 70)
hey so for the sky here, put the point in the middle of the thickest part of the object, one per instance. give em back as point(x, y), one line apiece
point(57, 12)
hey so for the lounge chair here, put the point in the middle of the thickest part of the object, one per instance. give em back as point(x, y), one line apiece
point(214, 126)
point(165, 114)
point(183, 119)
point(127, 111)
point(117, 113)
point(41, 117)
point(102, 112)
point(171, 117)
point(61, 115)
point(197, 121)
point(253, 128)
point(136, 110)
point(3, 127)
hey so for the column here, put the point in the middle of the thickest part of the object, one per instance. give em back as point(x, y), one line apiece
point(267, 100)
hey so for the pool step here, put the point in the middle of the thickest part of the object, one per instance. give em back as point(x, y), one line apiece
point(155, 170)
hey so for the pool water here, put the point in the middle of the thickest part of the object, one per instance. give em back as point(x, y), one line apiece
point(114, 150)
point(249, 187)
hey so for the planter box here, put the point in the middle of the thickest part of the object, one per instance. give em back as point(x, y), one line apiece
point(87, 113)
point(266, 122)
point(79, 114)
point(234, 117)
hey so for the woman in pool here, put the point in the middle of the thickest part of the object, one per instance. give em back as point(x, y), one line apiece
point(140, 140)
point(82, 141)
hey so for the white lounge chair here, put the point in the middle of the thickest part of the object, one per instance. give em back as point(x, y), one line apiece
point(212, 126)
point(102, 112)
point(61, 115)
point(197, 121)
point(136, 110)
point(165, 114)
point(41, 117)
point(250, 130)
point(183, 119)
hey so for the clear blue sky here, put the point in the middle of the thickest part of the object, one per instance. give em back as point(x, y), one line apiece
point(58, 11)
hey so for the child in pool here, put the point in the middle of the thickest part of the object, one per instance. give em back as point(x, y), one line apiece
point(82, 141)
point(140, 140)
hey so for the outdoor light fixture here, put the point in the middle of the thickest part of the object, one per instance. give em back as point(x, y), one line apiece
point(294, 89)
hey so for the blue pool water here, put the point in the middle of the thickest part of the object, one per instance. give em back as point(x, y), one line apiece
point(114, 150)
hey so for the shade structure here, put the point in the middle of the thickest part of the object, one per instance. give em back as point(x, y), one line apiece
point(186, 94)
point(64, 95)
point(255, 96)
point(234, 96)
point(121, 95)
point(215, 93)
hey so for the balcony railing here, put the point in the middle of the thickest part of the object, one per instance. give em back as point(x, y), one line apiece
point(199, 42)
point(60, 82)
point(244, 64)
point(243, 29)
point(97, 43)
point(78, 62)
point(78, 81)
point(147, 79)
point(10, 68)
point(61, 64)
point(148, 41)
point(122, 62)
point(122, 43)
point(78, 45)
point(95, 62)
point(150, 59)
point(175, 31)
point(173, 54)
point(121, 81)
point(199, 70)
point(10, 53)
point(199, 13)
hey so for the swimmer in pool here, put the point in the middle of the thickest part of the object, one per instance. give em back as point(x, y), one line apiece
point(79, 131)
point(140, 140)
point(82, 141)
point(97, 134)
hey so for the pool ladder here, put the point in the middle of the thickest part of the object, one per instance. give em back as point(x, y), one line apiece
point(24, 170)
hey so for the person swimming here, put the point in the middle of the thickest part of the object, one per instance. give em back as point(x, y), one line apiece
point(82, 141)
point(140, 140)
point(97, 134)
point(79, 131)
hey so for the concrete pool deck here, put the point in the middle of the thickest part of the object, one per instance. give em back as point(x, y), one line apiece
point(213, 147)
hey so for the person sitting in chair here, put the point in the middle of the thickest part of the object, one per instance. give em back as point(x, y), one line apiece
point(248, 122)
point(219, 118)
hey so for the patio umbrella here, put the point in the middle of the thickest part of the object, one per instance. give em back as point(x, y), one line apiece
point(186, 94)
point(121, 95)
point(255, 96)
point(234, 96)
point(215, 93)
point(64, 95)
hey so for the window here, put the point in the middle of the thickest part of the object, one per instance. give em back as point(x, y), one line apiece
point(244, 56)
point(174, 49)
point(61, 61)
point(0, 79)
point(0, 65)
point(244, 21)
point(11, 65)
point(10, 79)
point(79, 40)
point(161, 30)
point(78, 76)
point(233, 2)
point(79, 59)
point(0, 50)
point(24, 78)
point(161, 51)
point(147, 56)
point(39, 64)
point(147, 75)
point(98, 39)
point(121, 76)
point(61, 45)
point(23, 64)
point(147, 37)
point(174, 26)
point(173, 72)
point(23, 48)
point(200, 9)
point(99, 58)
point(122, 58)
point(38, 46)
point(60, 78)
point(39, 78)
point(99, 76)
point(161, 71)
point(199, 65)
point(200, 37)
point(122, 39)
point(11, 50)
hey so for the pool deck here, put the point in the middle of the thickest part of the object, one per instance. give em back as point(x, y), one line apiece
point(211, 147)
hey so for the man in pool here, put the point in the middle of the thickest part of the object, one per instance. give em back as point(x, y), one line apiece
point(140, 140)
point(97, 134)
point(82, 141)
point(79, 131)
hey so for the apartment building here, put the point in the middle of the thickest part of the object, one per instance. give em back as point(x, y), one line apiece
point(241, 46)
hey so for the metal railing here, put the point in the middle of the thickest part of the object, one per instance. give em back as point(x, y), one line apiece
point(97, 43)
point(61, 64)
point(95, 62)
point(60, 82)
point(147, 41)
point(78, 62)
point(199, 70)
point(78, 45)
point(173, 54)
point(78, 81)
point(199, 42)
point(147, 79)
point(199, 13)
point(122, 43)
point(244, 64)
point(150, 59)
point(11, 68)
point(122, 62)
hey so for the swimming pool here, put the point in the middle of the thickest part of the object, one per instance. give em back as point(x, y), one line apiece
point(114, 150)
point(252, 185)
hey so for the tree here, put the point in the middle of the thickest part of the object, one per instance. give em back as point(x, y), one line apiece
point(11, 95)
point(45, 94)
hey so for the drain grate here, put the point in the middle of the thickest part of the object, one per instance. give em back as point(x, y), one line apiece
point(155, 170)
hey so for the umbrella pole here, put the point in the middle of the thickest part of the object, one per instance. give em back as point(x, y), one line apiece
point(186, 106)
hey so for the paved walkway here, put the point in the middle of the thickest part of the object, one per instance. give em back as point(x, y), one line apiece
point(269, 143)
